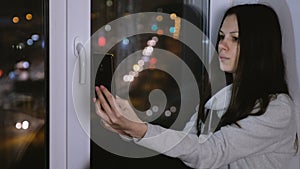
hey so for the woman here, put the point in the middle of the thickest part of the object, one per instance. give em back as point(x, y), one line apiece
point(256, 127)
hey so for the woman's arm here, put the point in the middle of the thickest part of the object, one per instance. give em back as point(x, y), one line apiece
point(258, 134)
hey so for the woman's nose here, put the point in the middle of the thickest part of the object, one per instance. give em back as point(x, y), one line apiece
point(222, 45)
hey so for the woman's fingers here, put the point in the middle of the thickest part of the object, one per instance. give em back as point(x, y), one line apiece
point(105, 106)
point(119, 118)
point(100, 112)
point(115, 111)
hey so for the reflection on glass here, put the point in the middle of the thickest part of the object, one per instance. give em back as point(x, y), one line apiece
point(22, 84)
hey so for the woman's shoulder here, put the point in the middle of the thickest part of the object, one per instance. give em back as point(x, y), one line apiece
point(280, 109)
point(279, 114)
point(281, 99)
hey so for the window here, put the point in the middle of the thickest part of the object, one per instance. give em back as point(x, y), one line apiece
point(147, 74)
point(23, 91)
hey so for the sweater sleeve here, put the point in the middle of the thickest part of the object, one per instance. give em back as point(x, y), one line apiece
point(258, 134)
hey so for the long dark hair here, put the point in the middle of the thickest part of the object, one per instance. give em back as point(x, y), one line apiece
point(260, 71)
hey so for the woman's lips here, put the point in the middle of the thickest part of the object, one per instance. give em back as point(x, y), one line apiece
point(223, 58)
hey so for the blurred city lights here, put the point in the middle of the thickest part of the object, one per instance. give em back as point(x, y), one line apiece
point(125, 41)
point(172, 29)
point(12, 75)
point(128, 78)
point(136, 67)
point(29, 42)
point(160, 32)
point(154, 27)
point(18, 125)
point(43, 44)
point(35, 37)
point(109, 3)
point(101, 41)
point(20, 46)
point(167, 113)
point(28, 16)
point(177, 27)
point(159, 18)
point(139, 66)
point(26, 65)
point(151, 43)
point(153, 61)
point(22, 65)
point(147, 52)
point(149, 49)
point(155, 39)
point(107, 28)
point(15, 19)
point(141, 63)
point(25, 125)
point(133, 73)
point(125, 78)
point(155, 108)
point(146, 58)
point(149, 113)
point(173, 16)
point(173, 109)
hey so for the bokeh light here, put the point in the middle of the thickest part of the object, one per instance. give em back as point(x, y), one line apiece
point(25, 125)
point(125, 41)
point(15, 19)
point(151, 42)
point(141, 62)
point(159, 18)
point(26, 65)
point(109, 3)
point(154, 27)
point(155, 108)
point(155, 38)
point(146, 58)
point(172, 29)
point(153, 61)
point(147, 52)
point(125, 78)
point(35, 37)
point(107, 28)
point(167, 113)
point(12, 75)
point(160, 32)
point(18, 125)
point(28, 17)
point(173, 16)
point(136, 67)
point(128, 78)
point(149, 113)
point(29, 42)
point(173, 109)
point(101, 41)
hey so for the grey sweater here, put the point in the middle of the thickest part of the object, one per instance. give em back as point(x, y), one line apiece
point(262, 142)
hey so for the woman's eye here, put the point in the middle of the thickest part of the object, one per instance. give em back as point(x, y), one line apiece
point(235, 38)
point(221, 37)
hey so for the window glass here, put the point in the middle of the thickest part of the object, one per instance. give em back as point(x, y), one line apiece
point(23, 85)
point(144, 76)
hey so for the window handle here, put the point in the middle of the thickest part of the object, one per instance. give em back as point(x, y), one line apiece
point(81, 54)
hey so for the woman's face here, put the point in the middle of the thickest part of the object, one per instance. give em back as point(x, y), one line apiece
point(229, 47)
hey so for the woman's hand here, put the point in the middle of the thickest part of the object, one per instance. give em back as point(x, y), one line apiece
point(117, 115)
